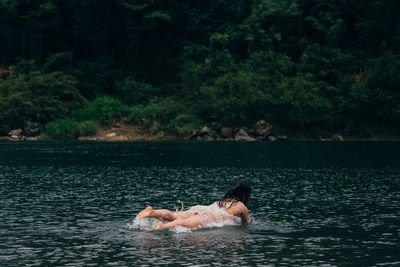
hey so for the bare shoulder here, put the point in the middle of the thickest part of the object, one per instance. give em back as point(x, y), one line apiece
point(240, 205)
point(240, 210)
point(237, 209)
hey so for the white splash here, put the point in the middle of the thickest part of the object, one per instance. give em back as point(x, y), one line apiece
point(142, 224)
point(180, 229)
point(226, 222)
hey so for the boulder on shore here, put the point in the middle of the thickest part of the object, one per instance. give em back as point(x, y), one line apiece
point(36, 138)
point(31, 129)
point(262, 128)
point(15, 137)
point(282, 137)
point(272, 138)
point(243, 136)
point(204, 131)
point(337, 137)
point(194, 135)
point(15, 132)
point(208, 138)
point(111, 134)
point(226, 132)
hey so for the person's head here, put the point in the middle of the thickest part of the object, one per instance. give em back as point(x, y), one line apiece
point(240, 192)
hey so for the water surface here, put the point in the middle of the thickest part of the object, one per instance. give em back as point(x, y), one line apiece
point(313, 204)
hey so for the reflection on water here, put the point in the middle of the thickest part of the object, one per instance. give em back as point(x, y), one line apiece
point(196, 247)
point(60, 212)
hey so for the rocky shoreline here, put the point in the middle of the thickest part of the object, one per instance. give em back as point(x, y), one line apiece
point(30, 132)
point(121, 132)
point(262, 131)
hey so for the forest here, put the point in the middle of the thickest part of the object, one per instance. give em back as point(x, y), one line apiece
point(308, 67)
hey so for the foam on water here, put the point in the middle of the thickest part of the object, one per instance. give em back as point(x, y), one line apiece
point(143, 224)
point(180, 229)
point(148, 224)
point(223, 223)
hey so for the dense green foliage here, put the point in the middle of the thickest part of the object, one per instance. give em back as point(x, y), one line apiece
point(311, 66)
point(67, 129)
point(164, 114)
point(37, 97)
point(62, 129)
point(105, 110)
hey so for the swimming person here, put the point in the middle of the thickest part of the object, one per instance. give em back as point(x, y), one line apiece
point(230, 207)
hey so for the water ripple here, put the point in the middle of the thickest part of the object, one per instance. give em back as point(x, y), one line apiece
point(81, 215)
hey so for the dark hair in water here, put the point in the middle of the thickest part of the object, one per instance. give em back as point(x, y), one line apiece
point(240, 192)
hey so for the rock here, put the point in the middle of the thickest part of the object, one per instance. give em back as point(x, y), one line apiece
point(16, 132)
point(208, 138)
point(32, 138)
point(226, 132)
point(204, 131)
point(194, 135)
point(4, 138)
point(272, 138)
point(262, 128)
point(87, 138)
point(337, 137)
point(15, 137)
point(282, 137)
point(260, 138)
point(243, 136)
point(199, 138)
point(31, 129)
point(112, 134)
point(325, 139)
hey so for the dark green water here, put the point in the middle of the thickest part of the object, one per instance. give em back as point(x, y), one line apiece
point(313, 204)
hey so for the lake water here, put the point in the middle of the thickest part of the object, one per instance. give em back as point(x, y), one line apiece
point(313, 203)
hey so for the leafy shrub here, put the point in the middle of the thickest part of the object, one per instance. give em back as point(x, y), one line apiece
point(24, 67)
point(55, 95)
point(87, 128)
point(297, 102)
point(271, 64)
point(59, 62)
point(133, 92)
point(377, 98)
point(96, 77)
point(232, 98)
point(105, 110)
point(62, 129)
point(68, 129)
point(38, 97)
point(266, 86)
point(183, 124)
point(156, 115)
point(15, 107)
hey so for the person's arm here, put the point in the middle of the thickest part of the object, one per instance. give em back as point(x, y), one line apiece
point(239, 209)
point(245, 215)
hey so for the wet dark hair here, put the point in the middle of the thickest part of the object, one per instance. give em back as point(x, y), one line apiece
point(240, 192)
